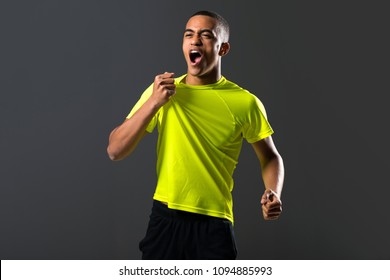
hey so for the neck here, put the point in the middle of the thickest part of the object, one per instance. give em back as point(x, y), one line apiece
point(199, 81)
point(206, 79)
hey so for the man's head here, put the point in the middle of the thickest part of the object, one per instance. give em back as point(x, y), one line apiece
point(205, 41)
point(222, 24)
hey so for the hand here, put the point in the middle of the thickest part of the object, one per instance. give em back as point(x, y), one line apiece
point(163, 88)
point(271, 205)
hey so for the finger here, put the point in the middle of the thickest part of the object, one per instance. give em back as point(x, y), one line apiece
point(162, 77)
point(267, 196)
point(274, 203)
point(272, 209)
point(169, 88)
point(264, 197)
point(171, 92)
point(273, 206)
point(167, 81)
point(271, 215)
point(167, 75)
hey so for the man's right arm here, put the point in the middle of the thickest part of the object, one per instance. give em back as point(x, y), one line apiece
point(124, 138)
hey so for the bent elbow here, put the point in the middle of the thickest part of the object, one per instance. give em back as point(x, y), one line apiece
point(113, 155)
point(116, 154)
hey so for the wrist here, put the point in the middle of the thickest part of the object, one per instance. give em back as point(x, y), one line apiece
point(153, 105)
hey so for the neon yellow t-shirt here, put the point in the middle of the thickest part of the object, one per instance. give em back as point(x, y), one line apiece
point(200, 137)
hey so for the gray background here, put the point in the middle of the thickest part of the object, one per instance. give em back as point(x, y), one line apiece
point(71, 70)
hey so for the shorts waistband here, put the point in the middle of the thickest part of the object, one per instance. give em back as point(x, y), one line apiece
point(162, 209)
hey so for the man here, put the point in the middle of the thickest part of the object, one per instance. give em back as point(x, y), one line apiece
point(201, 118)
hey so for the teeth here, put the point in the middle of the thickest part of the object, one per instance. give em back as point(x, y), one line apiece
point(194, 55)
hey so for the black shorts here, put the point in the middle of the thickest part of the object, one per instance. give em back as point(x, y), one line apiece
point(174, 235)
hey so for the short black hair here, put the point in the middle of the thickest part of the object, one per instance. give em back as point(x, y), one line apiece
point(222, 22)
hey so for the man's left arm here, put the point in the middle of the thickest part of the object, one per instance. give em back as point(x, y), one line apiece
point(272, 170)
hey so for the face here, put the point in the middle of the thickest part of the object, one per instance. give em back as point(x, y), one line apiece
point(203, 48)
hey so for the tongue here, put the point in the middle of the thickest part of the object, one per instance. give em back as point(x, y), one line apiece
point(197, 59)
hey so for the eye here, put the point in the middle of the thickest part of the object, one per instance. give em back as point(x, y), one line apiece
point(207, 35)
point(187, 35)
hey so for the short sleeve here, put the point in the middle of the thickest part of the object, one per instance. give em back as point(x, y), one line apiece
point(145, 96)
point(256, 126)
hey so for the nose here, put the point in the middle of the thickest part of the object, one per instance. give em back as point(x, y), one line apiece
point(196, 41)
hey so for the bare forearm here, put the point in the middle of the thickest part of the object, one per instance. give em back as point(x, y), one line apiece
point(124, 138)
point(273, 174)
point(272, 169)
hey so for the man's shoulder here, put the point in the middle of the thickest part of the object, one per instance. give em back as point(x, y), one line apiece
point(232, 87)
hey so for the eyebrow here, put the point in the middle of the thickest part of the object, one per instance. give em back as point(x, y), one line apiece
point(201, 31)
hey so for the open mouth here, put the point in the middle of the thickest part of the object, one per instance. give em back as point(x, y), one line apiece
point(195, 56)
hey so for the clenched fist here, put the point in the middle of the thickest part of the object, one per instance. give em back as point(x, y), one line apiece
point(271, 205)
point(163, 88)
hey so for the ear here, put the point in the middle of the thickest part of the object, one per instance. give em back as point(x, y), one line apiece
point(225, 47)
